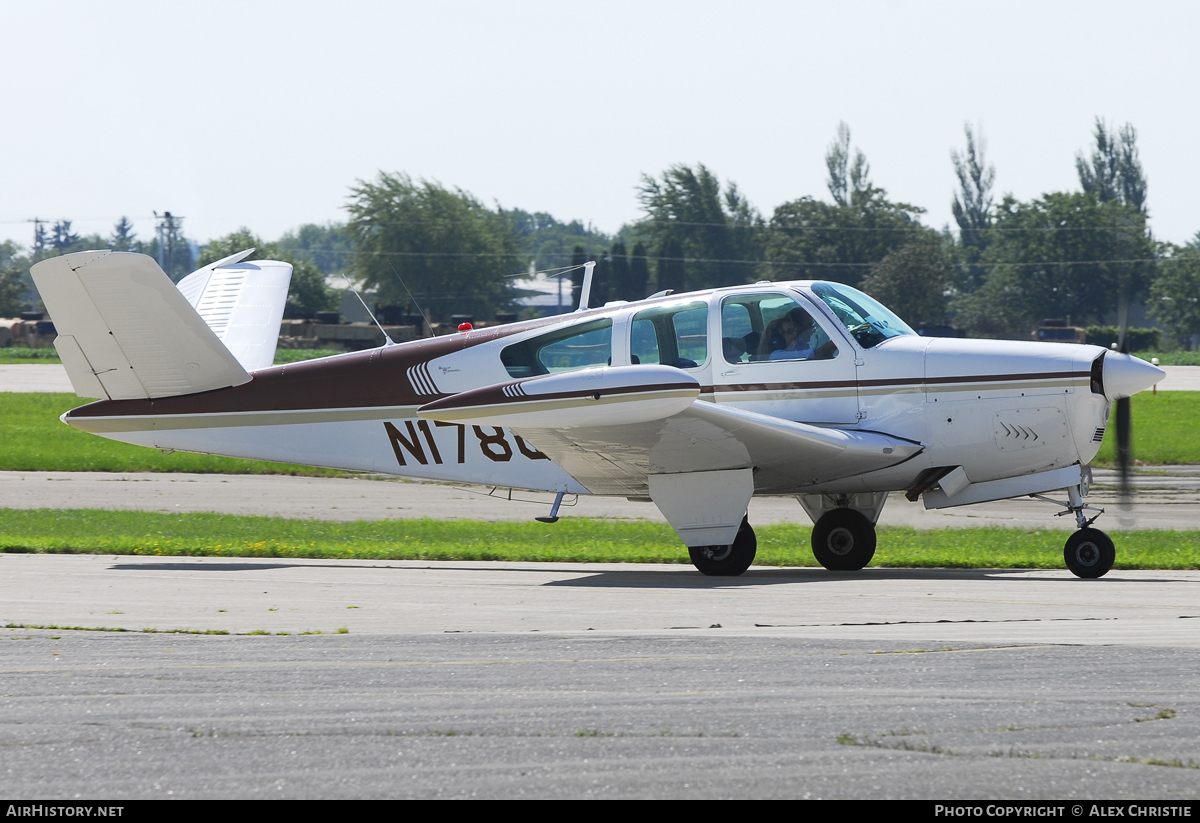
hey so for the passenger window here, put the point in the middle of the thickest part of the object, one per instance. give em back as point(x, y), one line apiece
point(671, 335)
point(577, 347)
point(763, 327)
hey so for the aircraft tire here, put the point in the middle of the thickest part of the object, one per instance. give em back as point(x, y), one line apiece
point(1089, 553)
point(843, 540)
point(727, 561)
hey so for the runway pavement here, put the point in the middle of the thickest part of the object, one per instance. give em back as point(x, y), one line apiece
point(1164, 500)
point(565, 680)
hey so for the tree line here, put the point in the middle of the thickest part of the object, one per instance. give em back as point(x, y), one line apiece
point(1006, 265)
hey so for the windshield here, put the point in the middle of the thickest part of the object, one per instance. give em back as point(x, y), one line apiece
point(868, 321)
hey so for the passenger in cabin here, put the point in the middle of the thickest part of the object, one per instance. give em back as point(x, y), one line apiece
point(794, 336)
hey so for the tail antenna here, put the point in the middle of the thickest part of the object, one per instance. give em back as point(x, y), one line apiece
point(386, 336)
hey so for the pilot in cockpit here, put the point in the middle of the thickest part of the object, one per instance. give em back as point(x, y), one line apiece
point(794, 336)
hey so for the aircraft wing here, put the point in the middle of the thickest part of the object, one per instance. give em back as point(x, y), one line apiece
point(618, 460)
point(612, 429)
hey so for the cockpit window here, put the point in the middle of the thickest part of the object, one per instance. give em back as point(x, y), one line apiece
point(867, 320)
point(575, 347)
point(761, 327)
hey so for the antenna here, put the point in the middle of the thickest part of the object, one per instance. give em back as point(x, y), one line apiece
point(390, 341)
point(586, 290)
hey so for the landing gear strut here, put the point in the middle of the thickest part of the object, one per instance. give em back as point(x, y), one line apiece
point(843, 540)
point(1089, 552)
point(727, 561)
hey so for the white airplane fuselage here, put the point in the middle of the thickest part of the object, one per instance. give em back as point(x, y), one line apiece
point(998, 409)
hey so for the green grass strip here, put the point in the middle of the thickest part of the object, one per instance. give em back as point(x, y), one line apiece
point(1164, 429)
point(32, 438)
point(90, 531)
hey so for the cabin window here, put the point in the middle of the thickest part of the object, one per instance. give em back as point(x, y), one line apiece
point(762, 327)
point(576, 347)
point(670, 335)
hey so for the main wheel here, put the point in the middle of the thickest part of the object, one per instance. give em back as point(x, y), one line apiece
point(843, 540)
point(1089, 553)
point(727, 561)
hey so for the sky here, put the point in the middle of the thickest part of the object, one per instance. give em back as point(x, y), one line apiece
point(264, 114)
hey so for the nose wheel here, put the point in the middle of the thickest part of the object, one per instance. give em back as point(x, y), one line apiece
point(727, 561)
point(1089, 553)
point(843, 540)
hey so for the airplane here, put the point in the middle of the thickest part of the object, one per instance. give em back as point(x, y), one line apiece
point(696, 402)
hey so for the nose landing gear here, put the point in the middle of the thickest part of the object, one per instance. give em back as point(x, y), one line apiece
point(1089, 553)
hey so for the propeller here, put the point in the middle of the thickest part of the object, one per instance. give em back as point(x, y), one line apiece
point(1124, 428)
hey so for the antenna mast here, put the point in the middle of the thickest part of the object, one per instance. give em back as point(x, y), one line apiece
point(586, 290)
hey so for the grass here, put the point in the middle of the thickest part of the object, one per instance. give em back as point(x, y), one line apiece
point(22, 354)
point(1164, 429)
point(33, 439)
point(89, 531)
point(1171, 358)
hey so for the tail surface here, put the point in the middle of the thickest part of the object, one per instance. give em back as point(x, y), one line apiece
point(242, 303)
point(127, 333)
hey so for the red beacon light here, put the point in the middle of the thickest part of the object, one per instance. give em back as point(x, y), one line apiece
point(465, 327)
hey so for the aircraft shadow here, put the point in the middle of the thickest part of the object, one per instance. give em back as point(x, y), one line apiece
point(687, 579)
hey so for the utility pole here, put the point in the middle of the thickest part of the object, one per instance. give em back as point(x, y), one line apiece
point(168, 230)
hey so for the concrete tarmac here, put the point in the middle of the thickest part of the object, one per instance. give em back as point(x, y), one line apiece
point(1167, 499)
point(569, 680)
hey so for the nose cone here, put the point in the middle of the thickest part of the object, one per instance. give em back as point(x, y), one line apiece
point(1126, 375)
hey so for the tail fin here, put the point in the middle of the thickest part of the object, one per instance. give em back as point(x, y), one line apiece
point(242, 303)
point(126, 332)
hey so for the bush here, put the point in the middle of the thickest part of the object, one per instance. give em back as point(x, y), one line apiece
point(1139, 339)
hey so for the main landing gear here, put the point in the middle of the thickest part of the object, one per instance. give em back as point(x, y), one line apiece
point(727, 561)
point(1089, 553)
point(843, 540)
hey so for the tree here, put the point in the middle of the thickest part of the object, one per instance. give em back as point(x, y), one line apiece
point(639, 272)
point(972, 204)
point(549, 242)
point(453, 253)
point(716, 232)
point(1175, 293)
point(621, 286)
point(1062, 255)
point(328, 246)
point(12, 287)
point(846, 183)
point(811, 239)
point(914, 280)
point(1114, 171)
point(64, 239)
point(669, 270)
point(123, 237)
point(307, 293)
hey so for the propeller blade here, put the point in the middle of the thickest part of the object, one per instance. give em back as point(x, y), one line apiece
point(1124, 428)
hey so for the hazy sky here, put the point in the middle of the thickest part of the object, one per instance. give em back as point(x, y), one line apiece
point(264, 114)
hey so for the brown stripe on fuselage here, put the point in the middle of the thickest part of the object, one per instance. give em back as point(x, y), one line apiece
point(915, 382)
point(354, 380)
